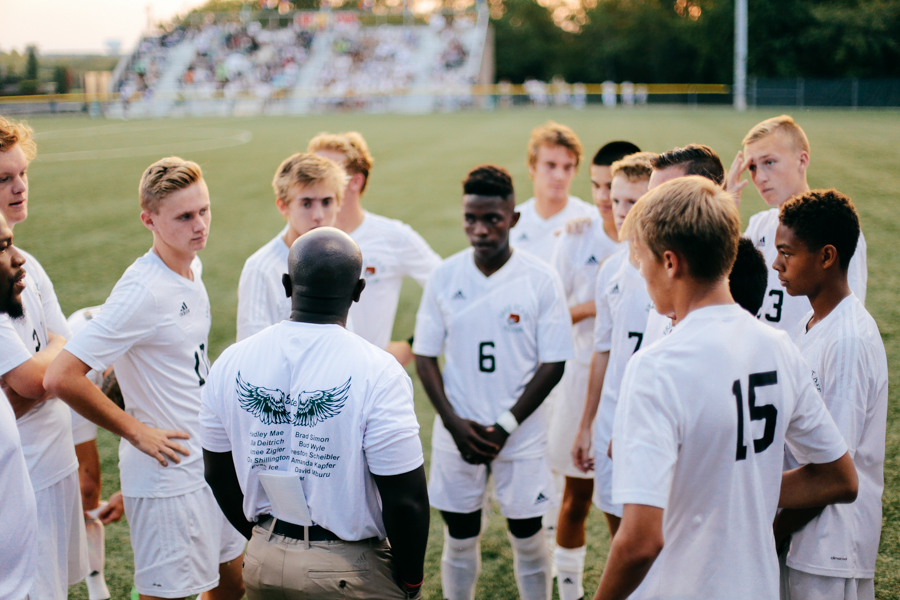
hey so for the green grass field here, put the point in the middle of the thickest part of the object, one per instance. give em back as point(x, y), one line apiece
point(84, 228)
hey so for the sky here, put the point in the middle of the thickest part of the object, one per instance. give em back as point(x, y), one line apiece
point(84, 26)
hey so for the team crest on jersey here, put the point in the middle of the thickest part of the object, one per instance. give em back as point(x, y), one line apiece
point(370, 271)
point(512, 319)
point(274, 407)
point(815, 378)
point(592, 261)
point(513, 316)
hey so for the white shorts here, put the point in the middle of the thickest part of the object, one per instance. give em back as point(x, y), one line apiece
point(62, 557)
point(524, 486)
point(565, 418)
point(82, 429)
point(806, 586)
point(603, 484)
point(179, 542)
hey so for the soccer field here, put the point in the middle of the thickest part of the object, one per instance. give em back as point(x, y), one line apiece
point(84, 228)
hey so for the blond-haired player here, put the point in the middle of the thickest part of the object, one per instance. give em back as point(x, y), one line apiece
point(154, 328)
point(309, 190)
point(27, 345)
point(621, 305)
point(701, 425)
point(777, 154)
point(391, 249)
point(553, 157)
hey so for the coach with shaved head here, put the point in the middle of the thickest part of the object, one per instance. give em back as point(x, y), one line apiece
point(311, 444)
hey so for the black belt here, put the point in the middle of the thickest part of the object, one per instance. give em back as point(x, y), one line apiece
point(316, 533)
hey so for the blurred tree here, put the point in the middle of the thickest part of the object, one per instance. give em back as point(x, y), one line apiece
point(31, 63)
point(63, 79)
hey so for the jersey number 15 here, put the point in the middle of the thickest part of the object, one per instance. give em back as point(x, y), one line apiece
point(766, 412)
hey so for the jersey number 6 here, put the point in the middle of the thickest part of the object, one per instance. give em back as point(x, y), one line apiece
point(766, 412)
point(486, 362)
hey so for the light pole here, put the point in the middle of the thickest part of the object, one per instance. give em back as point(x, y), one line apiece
point(740, 55)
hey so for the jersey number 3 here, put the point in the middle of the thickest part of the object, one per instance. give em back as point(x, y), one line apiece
point(766, 412)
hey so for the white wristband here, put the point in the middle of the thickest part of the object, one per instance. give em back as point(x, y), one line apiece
point(507, 421)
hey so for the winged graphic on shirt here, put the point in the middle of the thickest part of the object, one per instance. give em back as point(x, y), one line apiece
point(269, 406)
point(315, 407)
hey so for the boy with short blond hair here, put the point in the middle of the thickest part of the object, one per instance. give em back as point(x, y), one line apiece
point(700, 429)
point(391, 249)
point(309, 190)
point(154, 328)
point(777, 154)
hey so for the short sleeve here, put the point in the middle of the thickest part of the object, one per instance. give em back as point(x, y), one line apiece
point(603, 321)
point(562, 263)
point(645, 437)
point(127, 318)
point(391, 438)
point(431, 331)
point(858, 274)
point(811, 435)
point(845, 388)
point(419, 259)
point(256, 303)
point(53, 315)
point(554, 326)
point(13, 351)
point(213, 435)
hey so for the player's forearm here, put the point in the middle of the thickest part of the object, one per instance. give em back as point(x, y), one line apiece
point(406, 516)
point(219, 472)
point(536, 391)
point(792, 520)
point(583, 311)
point(27, 380)
point(816, 485)
point(430, 375)
point(623, 573)
point(599, 362)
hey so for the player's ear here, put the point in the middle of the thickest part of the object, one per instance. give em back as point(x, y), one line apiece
point(803, 161)
point(147, 220)
point(358, 290)
point(673, 264)
point(828, 256)
point(282, 207)
point(514, 219)
point(286, 282)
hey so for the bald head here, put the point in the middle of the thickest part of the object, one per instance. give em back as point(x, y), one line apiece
point(323, 280)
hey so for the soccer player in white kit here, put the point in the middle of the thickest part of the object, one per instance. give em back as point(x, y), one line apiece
point(622, 304)
point(693, 159)
point(308, 194)
point(832, 554)
point(27, 345)
point(154, 328)
point(580, 252)
point(703, 417)
point(777, 155)
point(18, 511)
point(391, 249)
point(500, 319)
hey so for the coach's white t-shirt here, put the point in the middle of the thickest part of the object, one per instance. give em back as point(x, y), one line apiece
point(18, 512)
point(320, 402)
point(622, 307)
point(46, 429)
point(153, 328)
point(577, 260)
point(681, 444)
point(261, 297)
point(494, 332)
point(540, 236)
point(780, 309)
point(849, 369)
point(391, 250)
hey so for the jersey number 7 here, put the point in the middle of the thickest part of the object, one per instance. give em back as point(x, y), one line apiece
point(766, 412)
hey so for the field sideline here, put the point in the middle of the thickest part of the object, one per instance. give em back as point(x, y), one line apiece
point(84, 228)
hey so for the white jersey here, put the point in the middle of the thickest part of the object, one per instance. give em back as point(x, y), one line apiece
point(849, 369)
point(46, 429)
point(77, 321)
point(320, 402)
point(18, 512)
point(779, 309)
point(153, 328)
point(658, 327)
point(391, 250)
point(622, 307)
point(494, 332)
point(261, 297)
point(700, 432)
point(577, 260)
point(539, 236)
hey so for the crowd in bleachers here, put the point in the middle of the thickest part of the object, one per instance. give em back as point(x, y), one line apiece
point(147, 63)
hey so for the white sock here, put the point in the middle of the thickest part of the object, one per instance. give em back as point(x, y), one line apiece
point(570, 562)
point(460, 566)
point(531, 562)
point(96, 583)
point(549, 527)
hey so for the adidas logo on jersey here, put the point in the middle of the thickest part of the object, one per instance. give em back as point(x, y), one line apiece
point(523, 237)
point(459, 295)
point(615, 289)
point(184, 310)
point(568, 580)
point(541, 498)
point(762, 241)
point(591, 261)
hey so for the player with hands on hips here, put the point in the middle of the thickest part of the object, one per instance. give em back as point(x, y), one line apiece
point(500, 319)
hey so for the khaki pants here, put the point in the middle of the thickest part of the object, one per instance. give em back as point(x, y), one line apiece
point(282, 568)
